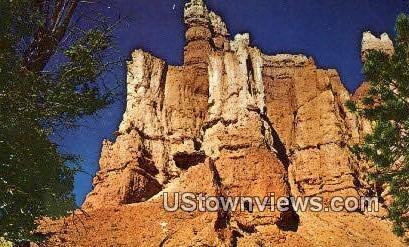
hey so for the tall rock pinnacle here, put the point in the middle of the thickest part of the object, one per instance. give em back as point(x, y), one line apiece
point(198, 33)
point(196, 11)
point(206, 32)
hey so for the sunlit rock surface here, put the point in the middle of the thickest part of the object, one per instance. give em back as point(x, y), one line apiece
point(230, 121)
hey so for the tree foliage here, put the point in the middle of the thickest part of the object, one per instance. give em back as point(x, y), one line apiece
point(36, 180)
point(386, 105)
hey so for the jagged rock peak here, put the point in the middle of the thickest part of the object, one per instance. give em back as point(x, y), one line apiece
point(196, 2)
point(219, 27)
point(196, 10)
point(240, 41)
point(370, 42)
point(206, 32)
point(197, 13)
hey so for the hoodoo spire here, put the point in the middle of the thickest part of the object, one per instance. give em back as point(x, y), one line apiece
point(205, 32)
point(196, 11)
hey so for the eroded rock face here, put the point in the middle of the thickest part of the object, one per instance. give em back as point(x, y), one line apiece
point(231, 121)
point(227, 99)
point(307, 108)
point(127, 174)
point(370, 42)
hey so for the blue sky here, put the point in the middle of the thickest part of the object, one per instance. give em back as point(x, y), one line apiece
point(328, 30)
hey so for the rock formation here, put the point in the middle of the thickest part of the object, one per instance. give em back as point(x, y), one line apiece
point(370, 42)
point(227, 98)
point(230, 121)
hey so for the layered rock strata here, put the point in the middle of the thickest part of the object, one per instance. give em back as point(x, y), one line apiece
point(225, 100)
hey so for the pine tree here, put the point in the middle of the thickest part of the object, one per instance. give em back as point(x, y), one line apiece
point(386, 105)
point(36, 180)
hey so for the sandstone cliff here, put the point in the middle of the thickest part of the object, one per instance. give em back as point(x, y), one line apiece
point(229, 121)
